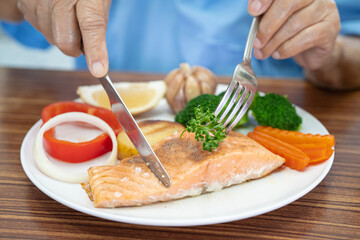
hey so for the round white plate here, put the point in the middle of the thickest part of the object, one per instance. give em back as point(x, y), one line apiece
point(233, 203)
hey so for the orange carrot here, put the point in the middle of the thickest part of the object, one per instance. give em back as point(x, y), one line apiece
point(327, 155)
point(316, 152)
point(293, 137)
point(295, 158)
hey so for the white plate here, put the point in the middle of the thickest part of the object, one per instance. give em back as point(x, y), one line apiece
point(234, 203)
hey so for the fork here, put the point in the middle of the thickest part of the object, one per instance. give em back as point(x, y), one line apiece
point(242, 88)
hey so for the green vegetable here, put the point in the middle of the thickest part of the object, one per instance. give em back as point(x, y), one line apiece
point(207, 128)
point(243, 120)
point(276, 111)
point(206, 101)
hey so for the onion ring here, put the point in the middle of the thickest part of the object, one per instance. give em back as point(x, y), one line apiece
point(55, 172)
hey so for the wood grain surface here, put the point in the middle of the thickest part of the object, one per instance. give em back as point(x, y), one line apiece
point(330, 211)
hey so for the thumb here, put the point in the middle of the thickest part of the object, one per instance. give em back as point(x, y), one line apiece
point(92, 19)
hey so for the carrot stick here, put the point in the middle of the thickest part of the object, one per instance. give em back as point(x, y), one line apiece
point(328, 153)
point(295, 158)
point(293, 137)
point(316, 152)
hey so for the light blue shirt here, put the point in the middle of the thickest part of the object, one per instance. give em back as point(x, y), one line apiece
point(157, 35)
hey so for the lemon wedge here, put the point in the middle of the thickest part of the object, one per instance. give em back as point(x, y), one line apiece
point(139, 97)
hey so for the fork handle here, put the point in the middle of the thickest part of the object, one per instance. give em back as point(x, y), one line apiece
point(251, 37)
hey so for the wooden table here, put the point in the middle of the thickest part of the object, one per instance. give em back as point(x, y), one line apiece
point(330, 211)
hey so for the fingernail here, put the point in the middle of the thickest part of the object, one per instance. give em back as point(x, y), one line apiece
point(276, 55)
point(256, 5)
point(258, 54)
point(98, 69)
point(257, 43)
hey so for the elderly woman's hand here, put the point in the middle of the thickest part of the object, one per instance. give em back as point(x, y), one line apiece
point(303, 29)
point(74, 26)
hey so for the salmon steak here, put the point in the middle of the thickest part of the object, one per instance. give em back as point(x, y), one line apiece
point(192, 170)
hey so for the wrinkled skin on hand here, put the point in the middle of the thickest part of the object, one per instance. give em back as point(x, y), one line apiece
point(305, 30)
point(74, 26)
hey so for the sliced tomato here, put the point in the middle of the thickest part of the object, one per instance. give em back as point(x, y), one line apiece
point(68, 151)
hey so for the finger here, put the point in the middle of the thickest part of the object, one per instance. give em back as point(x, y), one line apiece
point(258, 7)
point(92, 23)
point(44, 20)
point(300, 20)
point(107, 5)
point(37, 14)
point(31, 11)
point(319, 35)
point(275, 17)
point(65, 28)
point(28, 10)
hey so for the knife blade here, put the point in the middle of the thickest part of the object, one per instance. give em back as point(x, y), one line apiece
point(133, 131)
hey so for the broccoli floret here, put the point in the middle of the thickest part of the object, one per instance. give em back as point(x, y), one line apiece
point(276, 111)
point(205, 101)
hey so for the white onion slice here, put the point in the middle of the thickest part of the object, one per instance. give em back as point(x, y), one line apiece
point(58, 173)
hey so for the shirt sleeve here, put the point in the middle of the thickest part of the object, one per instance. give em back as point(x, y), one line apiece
point(25, 34)
point(349, 11)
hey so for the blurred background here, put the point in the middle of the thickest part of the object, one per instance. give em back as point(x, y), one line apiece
point(13, 54)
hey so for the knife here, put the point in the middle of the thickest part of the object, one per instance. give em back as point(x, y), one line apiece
point(133, 131)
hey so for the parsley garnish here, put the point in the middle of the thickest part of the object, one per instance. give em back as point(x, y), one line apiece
point(207, 129)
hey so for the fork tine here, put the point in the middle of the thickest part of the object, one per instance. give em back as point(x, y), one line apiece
point(238, 105)
point(242, 111)
point(226, 97)
point(233, 100)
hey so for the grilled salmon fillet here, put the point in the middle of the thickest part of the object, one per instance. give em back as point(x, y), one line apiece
point(191, 169)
